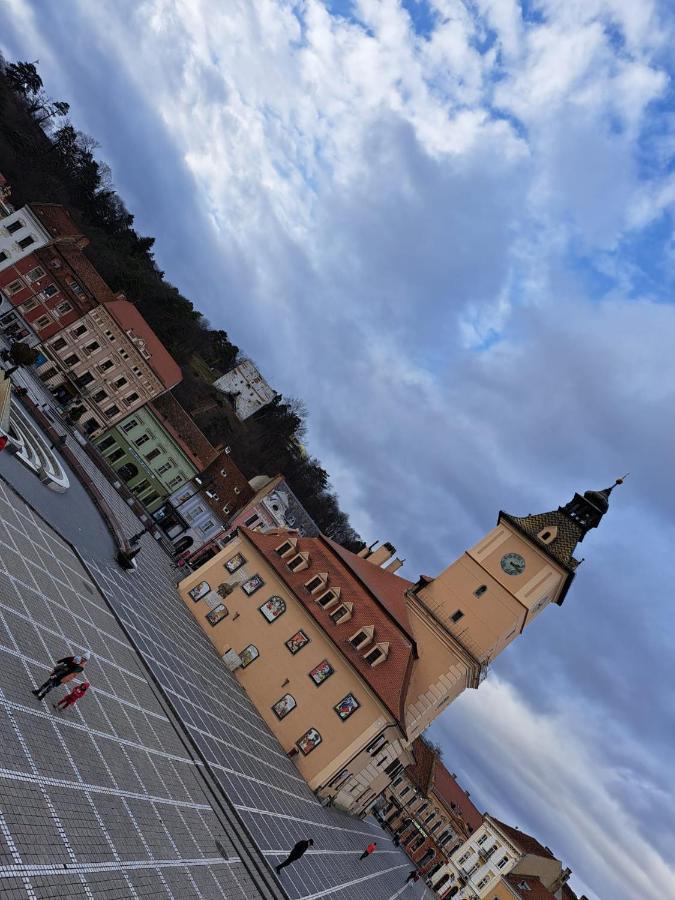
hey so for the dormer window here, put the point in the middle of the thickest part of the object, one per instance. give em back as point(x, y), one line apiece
point(377, 655)
point(286, 548)
point(342, 613)
point(549, 534)
point(317, 582)
point(362, 638)
point(328, 598)
point(298, 562)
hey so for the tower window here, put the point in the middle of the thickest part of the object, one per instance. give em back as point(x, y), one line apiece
point(549, 534)
point(480, 590)
point(457, 615)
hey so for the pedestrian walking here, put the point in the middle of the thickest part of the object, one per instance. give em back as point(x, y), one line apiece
point(64, 670)
point(295, 854)
point(369, 849)
point(413, 876)
point(71, 699)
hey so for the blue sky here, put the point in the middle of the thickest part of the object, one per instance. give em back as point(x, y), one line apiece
point(449, 228)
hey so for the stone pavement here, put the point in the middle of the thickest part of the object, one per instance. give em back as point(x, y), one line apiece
point(256, 789)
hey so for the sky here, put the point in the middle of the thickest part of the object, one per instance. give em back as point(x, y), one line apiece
point(448, 227)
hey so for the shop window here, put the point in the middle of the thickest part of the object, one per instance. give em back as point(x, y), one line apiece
point(377, 655)
point(346, 706)
point(248, 655)
point(297, 642)
point(273, 608)
point(283, 706)
point(115, 455)
point(309, 741)
point(127, 471)
point(141, 486)
point(322, 672)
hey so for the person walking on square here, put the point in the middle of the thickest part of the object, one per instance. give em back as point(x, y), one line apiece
point(413, 876)
point(295, 854)
point(64, 670)
point(369, 849)
point(71, 699)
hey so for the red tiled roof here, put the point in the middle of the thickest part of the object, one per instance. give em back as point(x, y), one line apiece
point(421, 772)
point(223, 485)
point(58, 222)
point(389, 680)
point(535, 889)
point(449, 792)
point(388, 587)
point(160, 361)
point(568, 893)
point(184, 430)
point(526, 842)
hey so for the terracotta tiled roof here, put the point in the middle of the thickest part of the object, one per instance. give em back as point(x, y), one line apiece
point(389, 680)
point(535, 890)
point(421, 772)
point(524, 841)
point(388, 587)
point(568, 893)
point(225, 479)
point(160, 361)
point(58, 221)
point(183, 428)
point(454, 797)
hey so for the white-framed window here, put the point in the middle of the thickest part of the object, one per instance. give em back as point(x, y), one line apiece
point(14, 287)
point(328, 599)
point(15, 226)
point(28, 305)
point(42, 322)
point(92, 347)
point(283, 549)
point(49, 290)
point(26, 242)
point(298, 562)
point(377, 654)
point(78, 331)
point(64, 308)
point(132, 423)
point(362, 637)
point(36, 274)
point(502, 862)
point(316, 582)
point(481, 840)
point(463, 858)
point(342, 613)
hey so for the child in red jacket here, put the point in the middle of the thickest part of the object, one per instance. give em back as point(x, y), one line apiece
point(70, 699)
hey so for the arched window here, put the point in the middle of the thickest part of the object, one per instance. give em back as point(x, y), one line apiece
point(442, 882)
point(426, 858)
point(283, 706)
point(480, 590)
point(248, 654)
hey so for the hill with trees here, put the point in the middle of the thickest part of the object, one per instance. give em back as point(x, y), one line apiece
point(45, 158)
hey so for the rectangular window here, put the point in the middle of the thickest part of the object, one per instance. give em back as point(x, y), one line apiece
point(110, 335)
point(151, 498)
point(481, 840)
point(42, 322)
point(3, 256)
point(115, 455)
point(457, 615)
point(131, 399)
point(49, 373)
point(26, 242)
point(76, 288)
point(92, 347)
point(252, 520)
point(79, 331)
point(14, 287)
point(206, 526)
point(63, 308)
point(84, 379)
point(132, 423)
point(165, 468)
point(15, 226)
point(120, 382)
point(28, 305)
point(99, 396)
point(502, 862)
point(105, 365)
point(36, 274)
point(142, 439)
point(50, 290)
point(153, 454)
point(106, 443)
point(71, 360)
point(112, 411)
point(141, 486)
point(175, 482)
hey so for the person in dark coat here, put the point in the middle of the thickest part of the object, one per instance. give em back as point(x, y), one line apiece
point(413, 876)
point(65, 670)
point(295, 854)
point(369, 849)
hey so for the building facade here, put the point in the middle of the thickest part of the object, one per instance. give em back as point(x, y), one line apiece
point(274, 505)
point(246, 389)
point(411, 648)
point(147, 457)
point(110, 362)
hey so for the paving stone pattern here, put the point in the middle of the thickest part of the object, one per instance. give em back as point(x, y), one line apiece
point(262, 785)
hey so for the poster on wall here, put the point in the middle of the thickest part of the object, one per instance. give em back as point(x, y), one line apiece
point(236, 562)
point(252, 585)
point(297, 642)
point(346, 706)
point(283, 706)
point(248, 654)
point(217, 614)
point(309, 741)
point(200, 590)
point(321, 672)
point(273, 608)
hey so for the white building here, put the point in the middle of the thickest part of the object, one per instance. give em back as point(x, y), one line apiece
point(21, 232)
point(246, 388)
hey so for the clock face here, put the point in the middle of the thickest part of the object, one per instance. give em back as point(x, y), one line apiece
point(513, 564)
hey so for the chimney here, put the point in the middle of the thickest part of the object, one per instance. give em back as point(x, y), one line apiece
point(394, 565)
point(365, 552)
point(382, 554)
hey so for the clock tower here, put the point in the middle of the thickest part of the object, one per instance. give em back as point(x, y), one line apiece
point(474, 609)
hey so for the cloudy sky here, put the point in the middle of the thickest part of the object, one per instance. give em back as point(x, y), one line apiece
point(448, 227)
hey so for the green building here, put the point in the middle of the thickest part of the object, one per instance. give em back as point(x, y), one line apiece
point(151, 456)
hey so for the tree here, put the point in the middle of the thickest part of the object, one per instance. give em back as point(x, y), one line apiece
point(23, 78)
